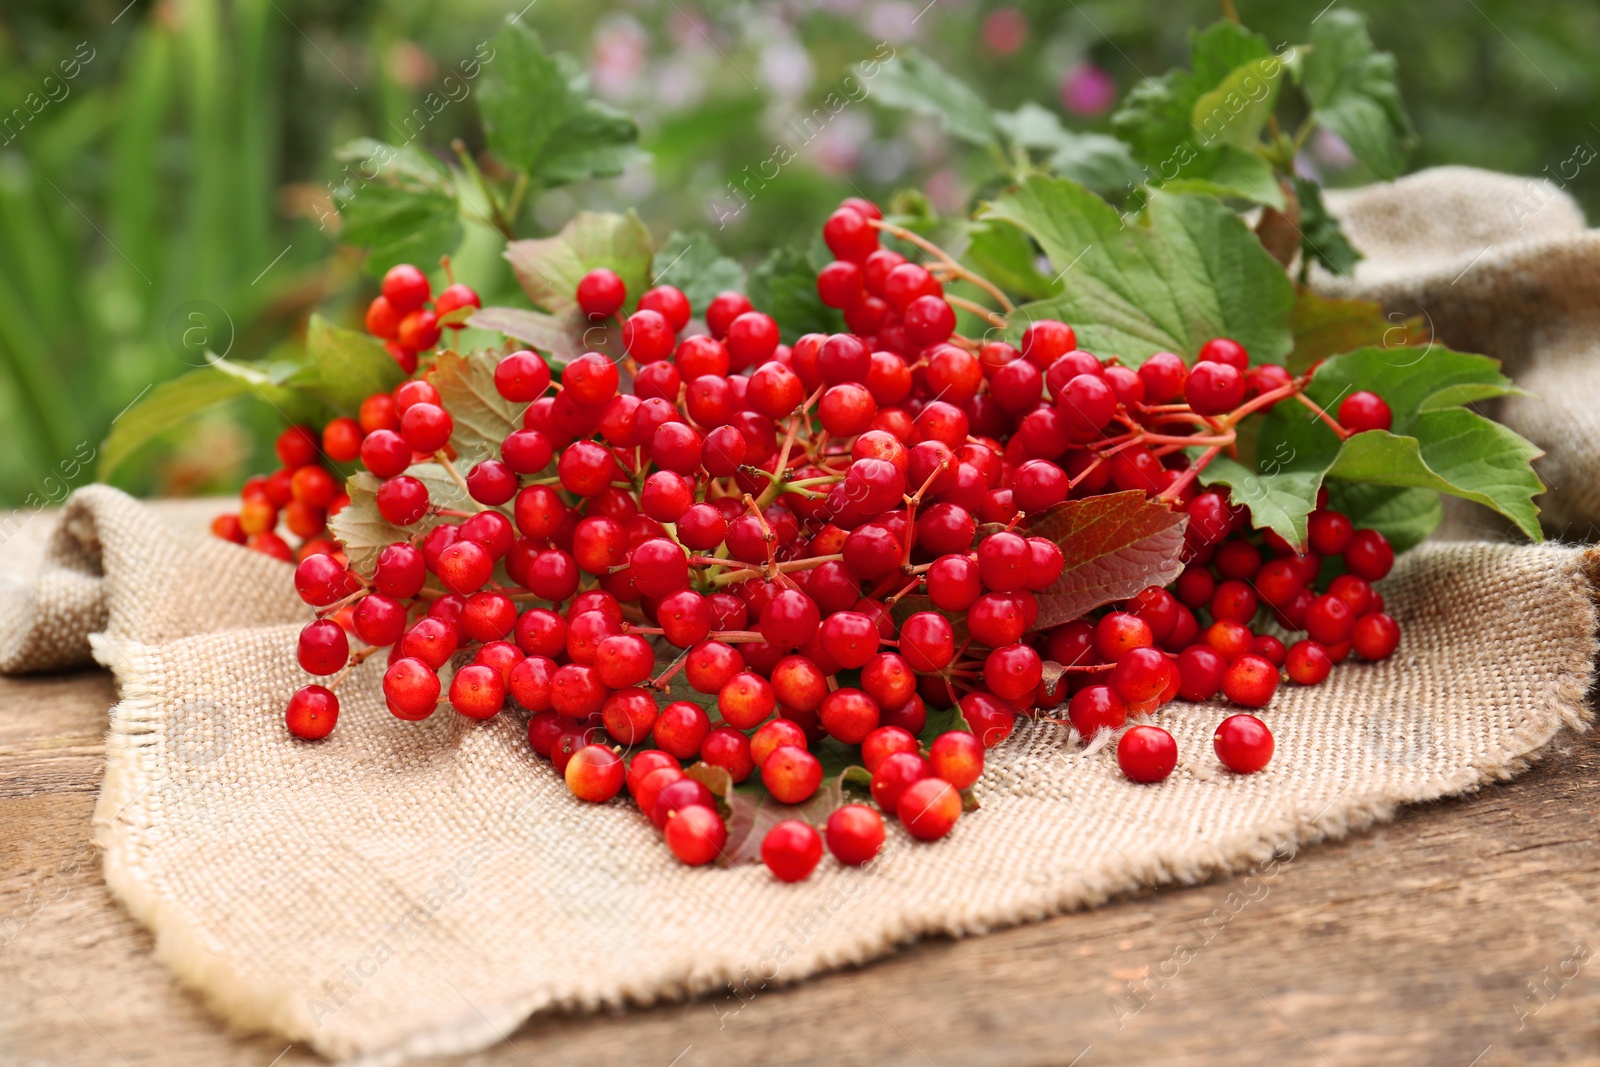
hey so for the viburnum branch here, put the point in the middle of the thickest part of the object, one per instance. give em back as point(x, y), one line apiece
point(997, 321)
point(1333, 424)
point(944, 257)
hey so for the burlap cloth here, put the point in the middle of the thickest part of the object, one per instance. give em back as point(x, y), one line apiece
point(411, 888)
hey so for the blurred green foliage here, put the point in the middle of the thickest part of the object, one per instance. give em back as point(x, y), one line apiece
point(167, 167)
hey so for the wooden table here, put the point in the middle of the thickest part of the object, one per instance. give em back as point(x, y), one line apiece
point(1459, 935)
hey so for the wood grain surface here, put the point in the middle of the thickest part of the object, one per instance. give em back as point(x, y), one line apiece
point(1460, 935)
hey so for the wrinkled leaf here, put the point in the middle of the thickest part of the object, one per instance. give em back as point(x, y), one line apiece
point(1190, 270)
point(1281, 500)
point(1353, 92)
point(483, 418)
point(1006, 256)
point(540, 118)
point(398, 202)
point(1236, 110)
point(559, 339)
point(1115, 545)
point(1231, 174)
point(692, 263)
point(550, 268)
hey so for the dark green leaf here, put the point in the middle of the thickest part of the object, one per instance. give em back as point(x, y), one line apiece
point(1237, 108)
point(692, 263)
point(1353, 92)
point(1280, 500)
point(539, 117)
point(550, 268)
point(1190, 270)
point(914, 82)
point(398, 202)
point(1434, 444)
point(1230, 173)
point(1222, 48)
point(1004, 254)
point(784, 285)
point(1321, 237)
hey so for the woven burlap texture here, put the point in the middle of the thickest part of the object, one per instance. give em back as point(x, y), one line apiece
point(1504, 266)
point(402, 889)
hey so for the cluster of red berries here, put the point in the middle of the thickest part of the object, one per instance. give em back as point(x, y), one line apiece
point(308, 489)
point(828, 540)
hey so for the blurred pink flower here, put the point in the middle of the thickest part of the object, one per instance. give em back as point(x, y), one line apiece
point(1088, 90)
point(1005, 30)
point(946, 191)
point(1329, 148)
point(619, 55)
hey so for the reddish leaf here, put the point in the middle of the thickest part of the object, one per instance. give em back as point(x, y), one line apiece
point(1115, 545)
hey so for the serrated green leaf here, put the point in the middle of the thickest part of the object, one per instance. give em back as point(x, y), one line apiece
point(1237, 108)
point(1190, 270)
point(549, 268)
point(1279, 501)
point(784, 285)
point(1221, 48)
point(345, 366)
point(1156, 117)
point(483, 418)
point(398, 202)
point(1321, 237)
point(539, 117)
point(364, 532)
point(1231, 174)
point(1432, 445)
point(1353, 92)
point(914, 82)
point(1405, 516)
point(942, 721)
point(692, 263)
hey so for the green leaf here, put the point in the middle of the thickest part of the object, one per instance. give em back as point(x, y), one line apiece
point(1156, 118)
point(941, 722)
point(1102, 163)
point(1321, 237)
point(1236, 110)
point(1231, 174)
point(539, 117)
point(1006, 256)
point(784, 285)
point(1433, 444)
point(1353, 92)
point(692, 263)
point(1279, 501)
point(913, 82)
point(483, 418)
point(398, 202)
point(1221, 49)
point(1188, 271)
point(345, 366)
point(364, 532)
point(1404, 516)
point(550, 268)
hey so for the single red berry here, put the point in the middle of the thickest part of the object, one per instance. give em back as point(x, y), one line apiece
point(1369, 555)
point(1200, 672)
point(601, 293)
point(595, 774)
point(670, 302)
point(1147, 754)
point(929, 808)
point(1214, 388)
point(791, 850)
point(1243, 743)
point(1307, 663)
point(1363, 411)
point(312, 713)
point(696, 835)
point(406, 288)
point(1328, 532)
point(1375, 636)
point(1250, 680)
point(855, 834)
point(957, 757)
point(791, 774)
point(1096, 707)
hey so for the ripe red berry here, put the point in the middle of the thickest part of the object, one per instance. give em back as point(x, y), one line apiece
point(791, 774)
point(1361, 411)
point(1375, 636)
point(1307, 663)
point(1147, 754)
point(1214, 388)
point(323, 647)
point(1096, 707)
point(957, 757)
point(601, 293)
point(411, 688)
point(478, 692)
point(312, 713)
point(595, 774)
point(791, 850)
point(696, 835)
point(1164, 376)
point(1329, 532)
point(929, 808)
point(849, 235)
point(670, 301)
point(1243, 743)
point(1369, 555)
point(406, 288)
point(1250, 680)
point(855, 834)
